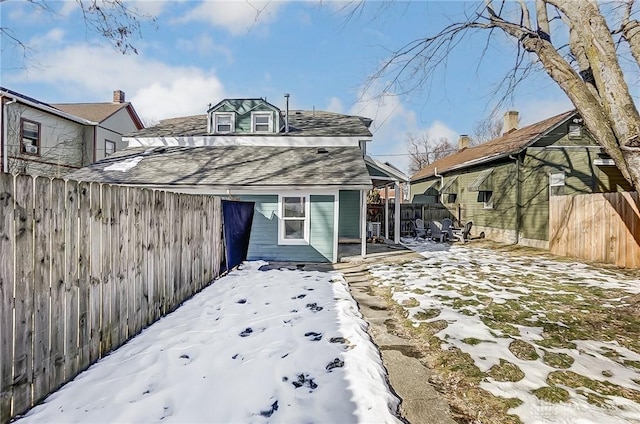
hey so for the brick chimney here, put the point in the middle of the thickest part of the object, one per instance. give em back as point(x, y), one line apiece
point(118, 96)
point(510, 121)
point(464, 142)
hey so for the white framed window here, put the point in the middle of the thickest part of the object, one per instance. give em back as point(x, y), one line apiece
point(109, 147)
point(294, 224)
point(30, 134)
point(262, 122)
point(575, 131)
point(556, 179)
point(224, 122)
point(486, 197)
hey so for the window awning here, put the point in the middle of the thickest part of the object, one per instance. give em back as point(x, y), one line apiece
point(483, 181)
point(451, 186)
point(431, 190)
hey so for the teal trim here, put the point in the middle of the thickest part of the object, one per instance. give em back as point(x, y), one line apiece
point(349, 219)
point(263, 244)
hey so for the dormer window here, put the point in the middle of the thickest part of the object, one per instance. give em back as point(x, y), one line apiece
point(223, 122)
point(262, 122)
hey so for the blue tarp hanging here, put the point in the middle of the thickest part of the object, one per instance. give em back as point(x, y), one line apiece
point(236, 223)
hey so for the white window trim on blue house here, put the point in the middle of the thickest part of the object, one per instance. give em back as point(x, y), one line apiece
point(214, 122)
point(281, 220)
point(254, 124)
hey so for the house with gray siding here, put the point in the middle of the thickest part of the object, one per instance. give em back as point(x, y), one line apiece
point(504, 185)
point(306, 171)
point(52, 140)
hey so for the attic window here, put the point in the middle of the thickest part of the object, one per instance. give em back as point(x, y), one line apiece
point(262, 122)
point(575, 131)
point(224, 122)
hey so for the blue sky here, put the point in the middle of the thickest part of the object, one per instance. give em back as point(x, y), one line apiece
point(204, 51)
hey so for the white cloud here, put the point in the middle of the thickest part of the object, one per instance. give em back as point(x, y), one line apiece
point(205, 46)
point(237, 17)
point(392, 121)
point(335, 105)
point(177, 97)
point(149, 7)
point(156, 89)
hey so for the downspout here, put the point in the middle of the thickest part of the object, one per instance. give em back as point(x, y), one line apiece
point(5, 131)
point(517, 238)
point(435, 173)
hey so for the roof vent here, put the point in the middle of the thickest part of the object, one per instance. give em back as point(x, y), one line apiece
point(322, 150)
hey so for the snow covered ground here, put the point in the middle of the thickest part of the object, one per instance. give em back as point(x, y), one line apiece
point(256, 346)
point(530, 313)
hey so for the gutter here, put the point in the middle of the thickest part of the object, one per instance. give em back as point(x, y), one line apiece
point(435, 174)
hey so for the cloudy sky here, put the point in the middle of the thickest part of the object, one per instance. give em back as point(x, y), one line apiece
point(321, 52)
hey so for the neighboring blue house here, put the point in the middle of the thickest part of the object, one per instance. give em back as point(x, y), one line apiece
point(306, 171)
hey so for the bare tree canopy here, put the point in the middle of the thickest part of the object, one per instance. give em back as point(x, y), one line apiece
point(114, 20)
point(424, 150)
point(487, 129)
point(581, 45)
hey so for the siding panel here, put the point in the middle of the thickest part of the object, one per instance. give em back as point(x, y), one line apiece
point(349, 214)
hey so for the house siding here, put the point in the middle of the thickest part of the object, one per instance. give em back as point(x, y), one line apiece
point(62, 144)
point(243, 114)
point(555, 152)
point(349, 214)
point(263, 243)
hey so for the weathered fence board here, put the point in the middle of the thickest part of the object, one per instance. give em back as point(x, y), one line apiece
point(57, 356)
point(601, 227)
point(6, 294)
point(41, 287)
point(23, 303)
point(72, 355)
point(95, 272)
point(84, 267)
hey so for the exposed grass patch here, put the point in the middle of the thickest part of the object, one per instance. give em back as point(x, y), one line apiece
point(411, 302)
point(523, 350)
point(426, 314)
point(506, 371)
point(418, 291)
point(471, 341)
point(557, 360)
point(603, 388)
point(551, 394)
point(632, 364)
point(460, 303)
point(594, 399)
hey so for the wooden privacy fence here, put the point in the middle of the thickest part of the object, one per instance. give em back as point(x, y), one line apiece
point(86, 266)
point(427, 212)
point(601, 227)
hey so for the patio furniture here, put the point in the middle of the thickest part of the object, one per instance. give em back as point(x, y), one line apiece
point(436, 231)
point(463, 234)
point(418, 229)
point(447, 228)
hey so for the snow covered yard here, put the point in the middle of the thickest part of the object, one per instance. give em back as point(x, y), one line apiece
point(518, 336)
point(256, 346)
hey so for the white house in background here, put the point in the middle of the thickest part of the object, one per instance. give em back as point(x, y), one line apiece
point(113, 120)
point(51, 140)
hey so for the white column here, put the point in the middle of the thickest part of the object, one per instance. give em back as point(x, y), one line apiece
point(396, 226)
point(363, 222)
point(386, 211)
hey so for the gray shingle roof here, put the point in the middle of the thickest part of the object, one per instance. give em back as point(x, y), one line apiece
point(301, 123)
point(234, 166)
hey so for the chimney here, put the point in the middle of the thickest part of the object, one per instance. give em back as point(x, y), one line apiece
point(118, 96)
point(464, 142)
point(510, 121)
